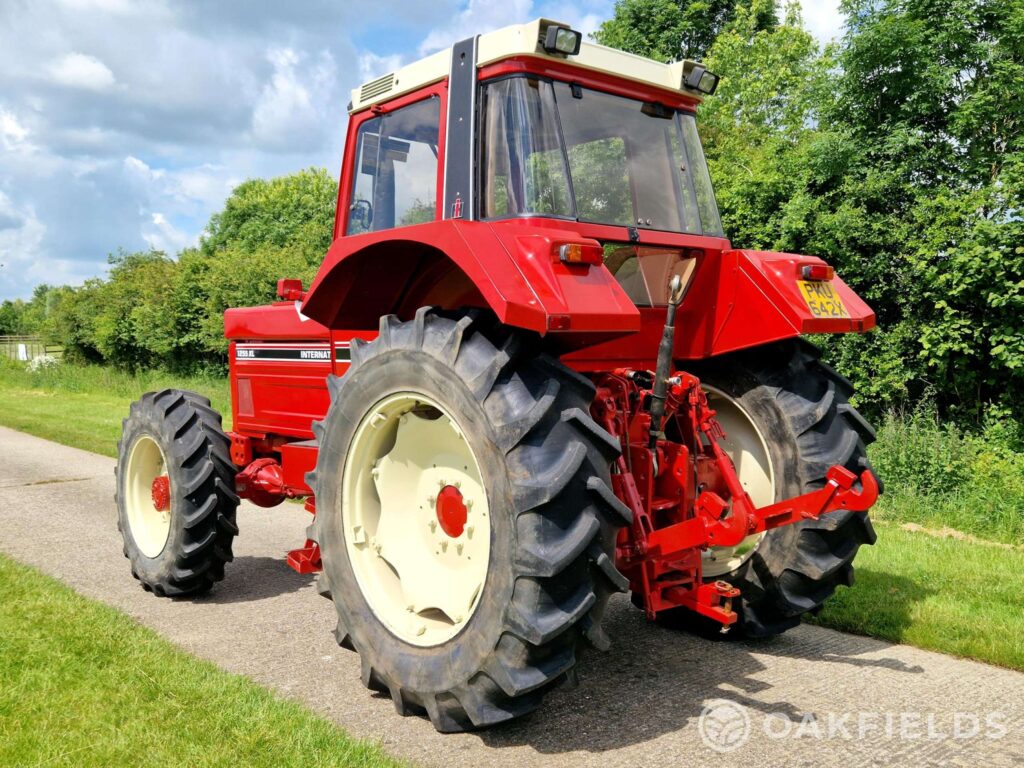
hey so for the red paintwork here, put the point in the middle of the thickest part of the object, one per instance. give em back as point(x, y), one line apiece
point(679, 501)
point(305, 559)
point(160, 492)
point(262, 483)
point(678, 493)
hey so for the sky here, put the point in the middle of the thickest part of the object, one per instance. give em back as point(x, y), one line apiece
point(125, 124)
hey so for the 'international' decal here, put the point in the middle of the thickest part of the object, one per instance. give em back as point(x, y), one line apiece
point(284, 353)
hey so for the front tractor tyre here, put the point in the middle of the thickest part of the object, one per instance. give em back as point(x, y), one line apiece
point(465, 518)
point(175, 493)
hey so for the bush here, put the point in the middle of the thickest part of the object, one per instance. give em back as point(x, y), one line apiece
point(42, 363)
point(940, 475)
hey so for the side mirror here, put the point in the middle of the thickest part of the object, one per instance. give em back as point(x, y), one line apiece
point(290, 290)
point(360, 217)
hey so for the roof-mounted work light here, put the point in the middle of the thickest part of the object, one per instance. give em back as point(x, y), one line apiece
point(700, 79)
point(562, 40)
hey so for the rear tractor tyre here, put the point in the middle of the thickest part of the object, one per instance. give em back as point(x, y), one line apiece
point(787, 419)
point(175, 493)
point(465, 518)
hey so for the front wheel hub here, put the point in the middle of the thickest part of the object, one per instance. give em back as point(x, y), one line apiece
point(160, 492)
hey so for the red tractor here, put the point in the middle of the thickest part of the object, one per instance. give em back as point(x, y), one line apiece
point(485, 401)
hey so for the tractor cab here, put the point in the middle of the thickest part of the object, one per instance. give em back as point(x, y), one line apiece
point(530, 123)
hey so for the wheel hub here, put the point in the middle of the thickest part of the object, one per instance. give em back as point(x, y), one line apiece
point(415, 517)
point(161, 493)
point(451, 511)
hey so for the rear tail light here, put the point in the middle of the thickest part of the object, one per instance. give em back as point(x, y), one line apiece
point(580, 253)
point(817, 272)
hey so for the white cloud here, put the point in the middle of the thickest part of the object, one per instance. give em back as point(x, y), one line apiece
point(478, 17)
point(371, 65)
point(13, 135)
point(288, 114)
point(79, 70)
point(21, 255)
point(584, 17)
point(823, 19)
point(101, 6)
point(161, 235)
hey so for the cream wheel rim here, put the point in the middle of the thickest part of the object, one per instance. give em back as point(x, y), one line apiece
point(415, 518)
point(748, 450)
point(147, 496)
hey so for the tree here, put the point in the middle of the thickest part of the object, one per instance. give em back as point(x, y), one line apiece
point(131, 309)
point(670, 30)
point(10, 317)
point(296, 211)
point(758, 127)
point(926, 113)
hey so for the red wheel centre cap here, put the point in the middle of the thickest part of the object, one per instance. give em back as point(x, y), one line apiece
point(451, 511)
point(161, 493)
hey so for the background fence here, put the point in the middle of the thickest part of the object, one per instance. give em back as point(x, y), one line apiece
point(27, 348)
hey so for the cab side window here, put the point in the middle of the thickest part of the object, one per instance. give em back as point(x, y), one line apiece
point(396, 169)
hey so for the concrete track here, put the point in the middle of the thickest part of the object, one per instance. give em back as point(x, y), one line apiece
point(811, 697)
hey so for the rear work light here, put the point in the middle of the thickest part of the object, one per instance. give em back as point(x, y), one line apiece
point(580, 253)
point(817, 272)
point(562, 40)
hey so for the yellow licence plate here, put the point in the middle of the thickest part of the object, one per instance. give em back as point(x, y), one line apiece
point(822, 299)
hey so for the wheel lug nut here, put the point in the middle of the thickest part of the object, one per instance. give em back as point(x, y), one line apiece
point(433, 526)
point(458, 549)
point(469, 531)
point(444, 546)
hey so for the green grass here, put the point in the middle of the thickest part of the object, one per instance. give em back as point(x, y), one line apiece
point(84, 685)
point(82, 406)
point(944, 594)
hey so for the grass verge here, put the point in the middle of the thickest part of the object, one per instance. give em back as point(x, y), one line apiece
point(82, 406)
point(940, 593)
point(84, 685)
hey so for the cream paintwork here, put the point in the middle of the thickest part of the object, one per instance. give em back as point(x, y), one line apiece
point(524, 40)
point(421, 583)
point(748, 450)
point(149, 526)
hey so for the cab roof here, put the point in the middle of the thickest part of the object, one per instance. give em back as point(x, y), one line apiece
point(524, 40)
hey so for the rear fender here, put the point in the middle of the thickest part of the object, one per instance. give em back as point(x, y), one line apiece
point(453, 263)
point(753, 298)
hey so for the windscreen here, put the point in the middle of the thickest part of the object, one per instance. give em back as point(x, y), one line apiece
point(555, 149)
